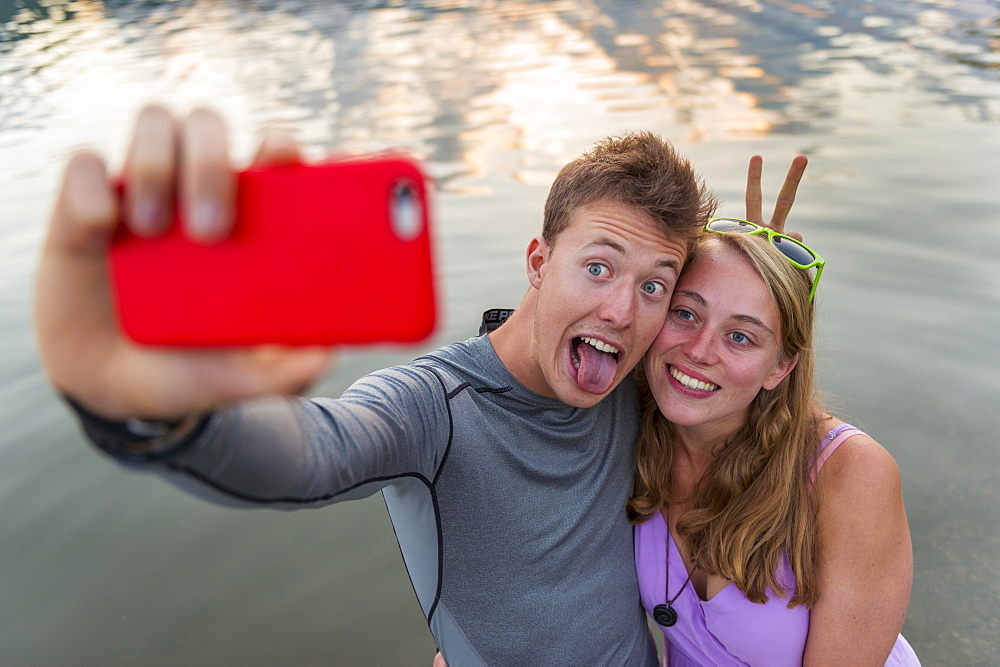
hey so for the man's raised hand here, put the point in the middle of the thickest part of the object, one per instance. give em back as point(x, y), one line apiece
point(170, 162)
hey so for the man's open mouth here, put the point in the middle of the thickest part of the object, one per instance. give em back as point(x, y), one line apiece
point(596, 364)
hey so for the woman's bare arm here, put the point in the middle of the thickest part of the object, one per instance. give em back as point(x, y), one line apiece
point(865, 558)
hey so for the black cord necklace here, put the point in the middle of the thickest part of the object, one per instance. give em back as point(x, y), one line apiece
point(664, 614)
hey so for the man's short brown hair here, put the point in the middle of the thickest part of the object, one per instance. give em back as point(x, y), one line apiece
point(639, 170)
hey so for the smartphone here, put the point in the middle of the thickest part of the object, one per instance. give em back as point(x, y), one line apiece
point(337, 252)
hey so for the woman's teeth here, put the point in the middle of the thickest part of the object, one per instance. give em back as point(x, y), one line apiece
point(600, 345)
point(690, 382)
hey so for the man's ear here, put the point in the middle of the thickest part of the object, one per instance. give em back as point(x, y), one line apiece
point(783, 368)
point(537, 258)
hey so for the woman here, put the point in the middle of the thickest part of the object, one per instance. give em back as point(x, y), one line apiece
point(769, 532)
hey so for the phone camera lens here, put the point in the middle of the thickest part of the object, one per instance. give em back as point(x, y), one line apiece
point(406, 214)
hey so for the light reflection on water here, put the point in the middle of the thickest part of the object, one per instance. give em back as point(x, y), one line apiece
point(896, 103)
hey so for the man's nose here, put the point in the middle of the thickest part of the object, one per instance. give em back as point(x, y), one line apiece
point(618, 307)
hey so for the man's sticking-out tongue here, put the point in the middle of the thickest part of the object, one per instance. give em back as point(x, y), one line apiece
point(596, 371)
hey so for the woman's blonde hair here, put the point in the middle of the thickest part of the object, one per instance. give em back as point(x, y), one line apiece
point(753, 505)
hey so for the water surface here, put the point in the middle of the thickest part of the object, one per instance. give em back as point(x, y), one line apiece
point(896, 103)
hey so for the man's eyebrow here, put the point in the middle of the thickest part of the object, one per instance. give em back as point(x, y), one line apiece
point(615, 245)
point(669, 264)
point(610, 243)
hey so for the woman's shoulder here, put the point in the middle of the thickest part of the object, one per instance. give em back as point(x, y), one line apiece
point(858, 466)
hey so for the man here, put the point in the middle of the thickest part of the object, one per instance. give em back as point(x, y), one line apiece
point(505, 460)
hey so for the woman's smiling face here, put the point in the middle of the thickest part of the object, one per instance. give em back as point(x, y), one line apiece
point(720, 344)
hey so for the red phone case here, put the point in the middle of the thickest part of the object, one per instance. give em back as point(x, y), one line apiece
point(336, 252)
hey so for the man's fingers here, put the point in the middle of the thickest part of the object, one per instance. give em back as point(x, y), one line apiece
point(290, 370)
point(754, 198)
point(208, 183)
point(786, 197)
point(72, 303)
point(150, 168)
point(86, 210)
point(278, 147)
point(198, 380)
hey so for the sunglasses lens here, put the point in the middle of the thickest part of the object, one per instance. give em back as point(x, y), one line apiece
point(793, 250)
point(727, 225)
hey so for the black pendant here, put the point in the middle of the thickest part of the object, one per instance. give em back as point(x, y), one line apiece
point(664, 615)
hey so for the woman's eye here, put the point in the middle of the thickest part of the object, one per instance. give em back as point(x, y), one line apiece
point(738, 337)
point(682, 314)
point(596, 269)
point(653, 288)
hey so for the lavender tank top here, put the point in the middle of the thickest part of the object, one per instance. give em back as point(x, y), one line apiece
point(729, 629)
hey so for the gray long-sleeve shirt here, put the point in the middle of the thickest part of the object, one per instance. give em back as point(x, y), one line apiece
point(509, 507)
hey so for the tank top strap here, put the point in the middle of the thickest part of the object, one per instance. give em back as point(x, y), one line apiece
point(829, 445)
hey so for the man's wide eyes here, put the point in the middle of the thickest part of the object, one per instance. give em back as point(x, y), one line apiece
point(654, 288)
point(650, 287)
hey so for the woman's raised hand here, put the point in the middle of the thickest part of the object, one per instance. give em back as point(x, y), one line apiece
point(786, 196)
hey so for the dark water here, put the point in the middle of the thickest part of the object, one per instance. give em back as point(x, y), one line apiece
point(897, 104)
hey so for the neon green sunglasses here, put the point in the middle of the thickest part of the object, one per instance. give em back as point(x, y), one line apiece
point(798, 253)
